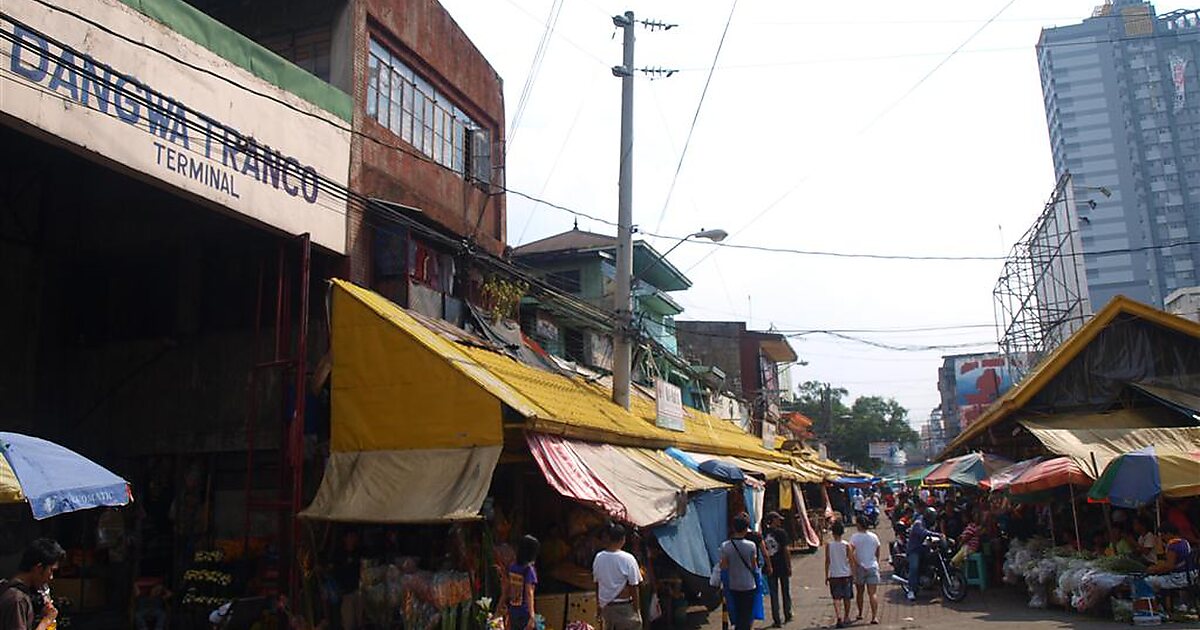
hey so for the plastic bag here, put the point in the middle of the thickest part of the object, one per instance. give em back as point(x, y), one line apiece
point(1094, 586)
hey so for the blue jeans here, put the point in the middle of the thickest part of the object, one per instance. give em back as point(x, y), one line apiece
point(914, 571)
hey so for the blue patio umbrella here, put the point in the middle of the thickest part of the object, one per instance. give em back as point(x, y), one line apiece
point(54, 479)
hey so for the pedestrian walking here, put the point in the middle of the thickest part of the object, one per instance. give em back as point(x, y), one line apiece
point(866, 570)
point(780, 561)
point(520, 587)
point(617, 578)
point(23, 601)
point(740, 559)
point(838, 574)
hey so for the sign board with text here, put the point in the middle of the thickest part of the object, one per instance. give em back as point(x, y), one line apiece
point(191, 121)
point(882, 450)
point(769, 431)
point(668, 401)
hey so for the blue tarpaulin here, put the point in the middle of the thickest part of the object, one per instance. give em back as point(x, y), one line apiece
point(694, 540)
point(713, 509)
point(682, 458)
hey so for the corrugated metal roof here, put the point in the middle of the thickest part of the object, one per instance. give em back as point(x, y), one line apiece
point(565, 405)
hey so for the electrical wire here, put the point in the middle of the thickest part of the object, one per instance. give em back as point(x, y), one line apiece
point(535, 67)
point(883, 113)
point(496, 189)
point(696, 116)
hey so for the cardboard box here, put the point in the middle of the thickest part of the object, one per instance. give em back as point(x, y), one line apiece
point(582, 607)
point(553, 608)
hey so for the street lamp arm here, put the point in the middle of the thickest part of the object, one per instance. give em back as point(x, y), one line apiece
point(715, 236)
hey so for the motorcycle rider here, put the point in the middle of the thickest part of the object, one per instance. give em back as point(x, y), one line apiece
point(917, 534)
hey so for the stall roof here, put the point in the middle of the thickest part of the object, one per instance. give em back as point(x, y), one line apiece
point(381, 351)
point(1092, 448)
point(1023, 392)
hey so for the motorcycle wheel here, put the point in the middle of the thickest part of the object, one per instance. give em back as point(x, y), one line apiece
point(954, 585)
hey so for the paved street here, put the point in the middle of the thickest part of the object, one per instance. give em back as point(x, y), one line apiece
point(999, 607)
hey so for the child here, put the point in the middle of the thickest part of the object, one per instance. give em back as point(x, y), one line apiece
point(519, 587)
point(838, 554)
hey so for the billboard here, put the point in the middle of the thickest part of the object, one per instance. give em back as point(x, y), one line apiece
point(978, 382)
point(882, 450)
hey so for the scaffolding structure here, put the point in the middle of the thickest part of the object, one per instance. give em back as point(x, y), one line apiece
point(1041, 296)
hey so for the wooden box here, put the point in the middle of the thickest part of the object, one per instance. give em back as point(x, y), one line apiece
point(553, 608)
point(582, 607)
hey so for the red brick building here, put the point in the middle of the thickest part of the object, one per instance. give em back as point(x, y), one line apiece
point(429, 134)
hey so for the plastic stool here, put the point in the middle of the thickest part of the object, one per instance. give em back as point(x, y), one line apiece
point(976, 571)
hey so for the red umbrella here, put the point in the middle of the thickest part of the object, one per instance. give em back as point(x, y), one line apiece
point(1051, 473)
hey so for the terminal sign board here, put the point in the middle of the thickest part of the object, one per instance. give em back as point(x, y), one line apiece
point(175, 112)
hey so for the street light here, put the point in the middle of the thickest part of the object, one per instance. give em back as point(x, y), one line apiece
point(715, 236)
point(623, 297)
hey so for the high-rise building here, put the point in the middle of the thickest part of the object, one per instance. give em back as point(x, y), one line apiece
point(1123, 110)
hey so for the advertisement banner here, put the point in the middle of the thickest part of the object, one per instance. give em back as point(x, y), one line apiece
point(979, 381)
point(668, 401)
point(882, 450)
point(89, 73)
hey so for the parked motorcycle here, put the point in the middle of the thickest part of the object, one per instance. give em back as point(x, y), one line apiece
point(936, 569)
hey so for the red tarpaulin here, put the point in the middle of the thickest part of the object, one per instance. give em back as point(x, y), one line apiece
point(570, 476)
point(1051, 473)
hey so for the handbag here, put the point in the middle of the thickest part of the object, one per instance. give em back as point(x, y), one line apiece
point(760, 584)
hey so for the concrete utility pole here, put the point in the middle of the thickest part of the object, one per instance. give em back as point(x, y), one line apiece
point(623, 295)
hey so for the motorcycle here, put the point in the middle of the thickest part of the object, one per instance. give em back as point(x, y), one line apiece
point(871, 512)
point(936, 569)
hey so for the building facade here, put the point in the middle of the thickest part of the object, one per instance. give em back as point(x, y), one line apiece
point(427, 159)
point(1120, 93)
point(750, 360)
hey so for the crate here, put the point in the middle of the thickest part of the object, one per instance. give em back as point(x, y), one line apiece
point(552, 608)
point(582, 606)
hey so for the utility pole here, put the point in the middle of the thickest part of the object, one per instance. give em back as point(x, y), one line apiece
point(623, 295)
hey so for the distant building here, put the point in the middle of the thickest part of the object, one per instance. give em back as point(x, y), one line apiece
point(1185, 303)
point(583, 264)
point(1122, 104)
point(969, 384)
point(750, 359)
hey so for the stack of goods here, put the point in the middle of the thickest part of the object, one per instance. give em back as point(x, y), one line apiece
point(399, 592)
point(208, 584)
point(1067, 578)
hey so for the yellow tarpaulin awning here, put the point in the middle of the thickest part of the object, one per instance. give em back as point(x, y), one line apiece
point(399, 387)
point(1093, 449)
point(666, 466)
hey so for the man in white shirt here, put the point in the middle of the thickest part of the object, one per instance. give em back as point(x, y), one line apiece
point(866, 569)
point(617, 577)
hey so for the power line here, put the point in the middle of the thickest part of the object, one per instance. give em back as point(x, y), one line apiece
point(696, 116)
point(535, 67)
point(874, 120)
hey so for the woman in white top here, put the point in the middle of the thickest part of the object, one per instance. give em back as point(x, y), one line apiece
point(838, 554)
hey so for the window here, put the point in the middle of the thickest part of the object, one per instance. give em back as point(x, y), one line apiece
point(410, 107)
point(567, 280)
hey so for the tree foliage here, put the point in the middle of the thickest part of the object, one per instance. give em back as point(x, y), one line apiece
point(847, 430)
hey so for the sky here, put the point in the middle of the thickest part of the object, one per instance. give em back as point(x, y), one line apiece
point(823, 128)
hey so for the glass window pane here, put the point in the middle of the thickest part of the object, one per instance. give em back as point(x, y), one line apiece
point(378, 50)
point(397, 86)
point(384, 96)
point(418, 119)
